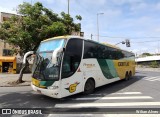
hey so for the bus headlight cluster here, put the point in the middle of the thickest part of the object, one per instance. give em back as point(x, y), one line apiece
point(53, 87)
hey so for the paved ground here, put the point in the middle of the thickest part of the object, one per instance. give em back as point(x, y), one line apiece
point(148, 69)
point(6, 79)
point(141, 92)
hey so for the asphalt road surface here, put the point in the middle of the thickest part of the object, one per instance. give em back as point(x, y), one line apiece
point(139, 94)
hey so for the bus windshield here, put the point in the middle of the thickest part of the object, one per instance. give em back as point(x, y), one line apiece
point(50, 45)
point(43, 68)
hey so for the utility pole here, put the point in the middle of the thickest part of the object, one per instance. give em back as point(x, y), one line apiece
point(68, 7)
point(98, 26)
point(158, 49)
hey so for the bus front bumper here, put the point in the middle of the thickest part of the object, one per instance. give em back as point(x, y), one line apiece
point(54, 93)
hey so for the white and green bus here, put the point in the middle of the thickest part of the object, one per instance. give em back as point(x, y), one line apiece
point(68, 65)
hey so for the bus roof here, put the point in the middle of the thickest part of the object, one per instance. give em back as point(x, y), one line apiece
point(73, 36)
point(64, 37)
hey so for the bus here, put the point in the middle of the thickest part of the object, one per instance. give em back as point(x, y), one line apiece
point(68, 65)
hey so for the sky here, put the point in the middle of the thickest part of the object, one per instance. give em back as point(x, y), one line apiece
point(136, 20)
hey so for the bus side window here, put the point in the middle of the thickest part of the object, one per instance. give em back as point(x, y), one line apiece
point(72, 57)
point(66, 65)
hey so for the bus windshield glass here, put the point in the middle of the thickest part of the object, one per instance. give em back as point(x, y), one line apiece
point(50, 45)
point(43, 68)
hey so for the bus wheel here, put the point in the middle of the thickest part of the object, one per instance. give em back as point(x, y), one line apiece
point(89, 86)
point(130, 74)
point(127, 76)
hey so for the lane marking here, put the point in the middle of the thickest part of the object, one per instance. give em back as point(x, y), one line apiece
point(149, 78)
point(114, 98)
point(82, 105)
point(153, 79)
point(130, 93)
point(124, 93)
point(158, 79)
point(100, 94)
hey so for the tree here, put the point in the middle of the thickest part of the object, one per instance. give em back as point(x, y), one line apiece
point(146, 54)
point(154, 64)
point(33, 24)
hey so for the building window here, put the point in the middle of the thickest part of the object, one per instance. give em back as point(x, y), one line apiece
point(7, 52)
point(5, 18)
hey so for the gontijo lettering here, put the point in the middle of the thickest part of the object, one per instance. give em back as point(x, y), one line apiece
point(123, 63)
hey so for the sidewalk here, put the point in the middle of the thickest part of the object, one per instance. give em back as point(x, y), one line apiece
point(6, 79)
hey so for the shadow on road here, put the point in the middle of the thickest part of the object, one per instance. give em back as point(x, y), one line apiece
point(106, 89)
point(31, 99)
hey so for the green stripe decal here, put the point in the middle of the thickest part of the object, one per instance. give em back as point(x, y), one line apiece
point(107, 67)
point(46, 83)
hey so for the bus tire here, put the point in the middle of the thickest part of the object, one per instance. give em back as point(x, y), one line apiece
point(127, 76)
point(89, 86)
point(130, 74)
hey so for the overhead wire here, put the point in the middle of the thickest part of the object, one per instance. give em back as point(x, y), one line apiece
point(123, 37)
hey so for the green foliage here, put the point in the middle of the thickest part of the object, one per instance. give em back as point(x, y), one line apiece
point(146, 54)
point(34, 24)
point(154, 64)
point(78, 17)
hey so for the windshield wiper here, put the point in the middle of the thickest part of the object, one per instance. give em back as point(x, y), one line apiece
point(38, 66)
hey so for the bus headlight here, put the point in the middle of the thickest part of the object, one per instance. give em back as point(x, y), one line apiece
point(53, 87)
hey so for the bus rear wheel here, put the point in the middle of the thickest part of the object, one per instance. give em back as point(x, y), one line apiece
point(89, 86)
point(130, 74)
point(127, 76)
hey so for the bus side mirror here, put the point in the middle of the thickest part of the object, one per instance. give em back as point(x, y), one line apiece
point(26, 55)
point(55, 55)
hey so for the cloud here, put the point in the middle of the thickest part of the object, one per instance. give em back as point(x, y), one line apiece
point(2, 9)
point(141, 7)
point(92, 2)
point(157, 6)
point(112, 13)
point(157, 29)
point(121, 18)
point(10, 5)
point(130, 2)
point(48, 1)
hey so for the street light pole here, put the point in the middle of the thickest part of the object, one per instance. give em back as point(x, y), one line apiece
point(68, 7)
point(98, 26)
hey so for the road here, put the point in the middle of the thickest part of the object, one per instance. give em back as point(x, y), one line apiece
point(142, 91)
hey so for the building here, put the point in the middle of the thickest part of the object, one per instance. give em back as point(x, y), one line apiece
point(7, 59)
point(5, 16)
point(151, 61)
